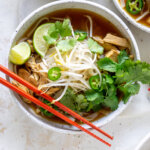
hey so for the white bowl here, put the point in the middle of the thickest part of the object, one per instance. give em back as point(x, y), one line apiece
point(86, 5)
point(129, 18)
point(144, 144)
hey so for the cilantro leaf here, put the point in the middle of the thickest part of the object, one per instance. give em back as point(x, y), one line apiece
point(126, 94)
point(82, 102)
point(56, 30)
point(76, 102)
point(52, 35)
point(122, 57)
point(95, 100)
point(95, 47)
point(107, 64)
point(68, 99)
point(111, 102)
point(133, 71)
point(108, 79)
point(94, 96)
point(109, 91)
point(66, 45)
point(64, 28)
point(133, 88)
point(49, 40)
point(128, 90)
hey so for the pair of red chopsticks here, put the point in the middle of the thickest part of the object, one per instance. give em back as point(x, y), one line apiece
point(47, 97)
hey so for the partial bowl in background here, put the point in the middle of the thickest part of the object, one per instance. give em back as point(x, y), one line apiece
point(130, 19)
point(74, 4)
point(144, 143)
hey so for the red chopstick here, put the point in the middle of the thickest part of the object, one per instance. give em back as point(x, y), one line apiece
point(53, 111)
point(47, 97)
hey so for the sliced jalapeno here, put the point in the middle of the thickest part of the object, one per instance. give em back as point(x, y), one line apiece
point(82, 35)
point(54, 73)
point(134, 6)
point(94, 82)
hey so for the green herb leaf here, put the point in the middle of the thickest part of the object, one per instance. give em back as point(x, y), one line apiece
point(82, 102)
point(108, 79)
point(133, 88)
point(126, 94)
point(95, 100)
point(68, 99)
point(133, 71)
point(95, 47)
point(66, 45)
point(111, 102)
point(64, 28)
point(45, 112)
point(52, 36)
point(128, 90)
point(49, 40)
point(107, 64)
point(56, 30)
point(122, 57)
point(93, 96)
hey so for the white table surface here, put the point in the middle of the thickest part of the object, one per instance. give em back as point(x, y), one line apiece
point(18, 132)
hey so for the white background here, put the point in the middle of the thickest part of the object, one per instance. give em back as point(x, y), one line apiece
point(18, 132)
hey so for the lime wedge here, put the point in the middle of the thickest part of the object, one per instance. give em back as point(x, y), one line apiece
point(20, 53)
point(40, 45)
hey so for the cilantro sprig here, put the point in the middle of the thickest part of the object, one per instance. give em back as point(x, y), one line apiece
point(126, 73)
point(57, 33)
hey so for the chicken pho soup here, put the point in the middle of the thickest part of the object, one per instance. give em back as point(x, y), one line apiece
point(81, 60)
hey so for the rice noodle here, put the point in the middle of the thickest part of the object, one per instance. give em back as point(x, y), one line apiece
point(72, 31)
point(142, 16)
point(55, 18)
point(95, 55)
point(91, 25)
point(71, 74)
point(44, 62)
point(61, 96)
point(23, 39)
point(59, 55)
point(36, 25)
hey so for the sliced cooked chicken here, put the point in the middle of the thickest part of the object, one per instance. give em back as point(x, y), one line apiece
point(107, 46)
point(31, 65)
point(98, 39)
point(24, 74)
point(31, 45)
point(113, 54)
point(148, 20)
point(116, 40)
point(27, 76)
point(52, 91)
point(131, 57)
point(20, 86)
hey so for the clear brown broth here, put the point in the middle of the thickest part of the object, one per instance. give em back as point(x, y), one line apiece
point(101, 27)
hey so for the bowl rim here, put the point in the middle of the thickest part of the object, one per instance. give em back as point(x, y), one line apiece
point(130, 19)
point(143, 141)
point(111, 13)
